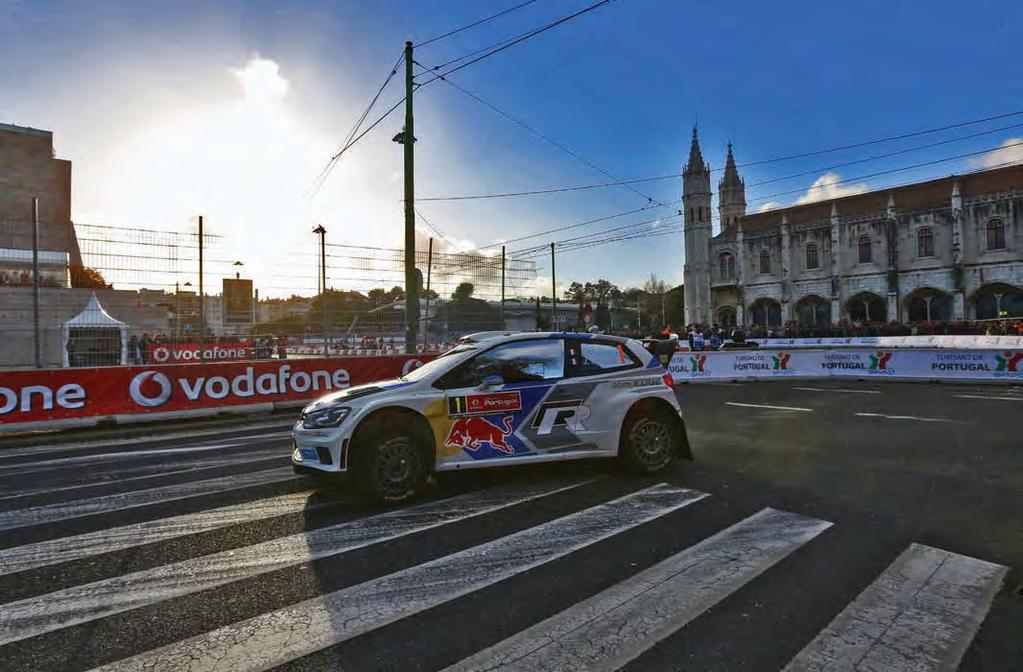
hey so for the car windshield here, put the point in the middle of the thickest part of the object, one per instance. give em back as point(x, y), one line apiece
point(442, 362)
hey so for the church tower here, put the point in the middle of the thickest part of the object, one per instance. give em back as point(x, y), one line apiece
point(731, 194)
point(696, 235)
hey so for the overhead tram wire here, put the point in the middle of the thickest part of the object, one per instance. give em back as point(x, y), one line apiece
point(889, 172)
point(325, 172)
point(479, 22)
point(522, 38)
point(676, 228)
point(435, 229)
point(673, 176)
point(545, 138)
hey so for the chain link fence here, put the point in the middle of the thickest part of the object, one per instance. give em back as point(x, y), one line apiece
point(115, 295)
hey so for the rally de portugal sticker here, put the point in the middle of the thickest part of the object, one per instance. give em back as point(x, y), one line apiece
point(495, 402)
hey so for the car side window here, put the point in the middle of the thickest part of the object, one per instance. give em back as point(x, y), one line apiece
point(593, 358)
point(515, 362)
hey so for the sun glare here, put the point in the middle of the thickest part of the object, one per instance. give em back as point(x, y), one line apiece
point(262, 82)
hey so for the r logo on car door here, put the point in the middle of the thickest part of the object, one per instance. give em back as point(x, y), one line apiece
point(569, 413)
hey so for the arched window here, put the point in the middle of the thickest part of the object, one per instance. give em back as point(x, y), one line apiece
point(765, 262)
point(929, 305)
point(865, 249)
point(766, 313)
point(996, 235)
point(726, 316)
point(999, 301)
point(925, 243)
point(812, 261)
point(726, 266)
point(866, 308)
point(813, 311)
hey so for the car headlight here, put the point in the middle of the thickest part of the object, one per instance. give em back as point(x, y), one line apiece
point(328, 416)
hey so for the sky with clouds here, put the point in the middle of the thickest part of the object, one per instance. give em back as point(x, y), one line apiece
point(232, 109)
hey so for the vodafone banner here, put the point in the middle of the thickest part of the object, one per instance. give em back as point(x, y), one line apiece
point(191, 353)
point(34, 396)
point(929, 364)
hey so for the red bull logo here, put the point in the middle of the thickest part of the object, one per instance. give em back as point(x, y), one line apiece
point(469, 433)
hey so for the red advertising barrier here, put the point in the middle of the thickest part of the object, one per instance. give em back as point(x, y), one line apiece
point(34, 396)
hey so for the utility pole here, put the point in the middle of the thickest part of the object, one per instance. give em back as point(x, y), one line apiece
point(35, 283)
point(429, 268)
point(554, 292)
point(502, 288)
point(322, 282)
point(408, 139)
point(202, 300)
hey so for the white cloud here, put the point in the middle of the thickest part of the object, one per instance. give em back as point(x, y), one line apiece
point(770, 205)
point(826, 187)
point(1011, 151)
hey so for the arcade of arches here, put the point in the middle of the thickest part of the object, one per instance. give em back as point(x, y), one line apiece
point(813, 311)
point(998, 300)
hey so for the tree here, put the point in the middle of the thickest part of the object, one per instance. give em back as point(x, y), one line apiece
point(576, 293)
point(428, 294)
point(655, 285)
point(463, 292)
point(378, 295)
point(396, 294)
point(87, 278)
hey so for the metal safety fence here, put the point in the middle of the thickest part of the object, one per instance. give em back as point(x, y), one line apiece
point(102, 295)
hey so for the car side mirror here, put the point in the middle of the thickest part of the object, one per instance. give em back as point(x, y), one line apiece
point(490, 381)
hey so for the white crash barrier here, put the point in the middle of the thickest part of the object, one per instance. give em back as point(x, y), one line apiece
point(919, 364)
point(938, 341)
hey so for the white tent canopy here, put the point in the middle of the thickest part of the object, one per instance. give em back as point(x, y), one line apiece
point(93, 316)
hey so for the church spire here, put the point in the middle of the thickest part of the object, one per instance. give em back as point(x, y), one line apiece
point(731, 179)
point(731, 193)
point(695, 163)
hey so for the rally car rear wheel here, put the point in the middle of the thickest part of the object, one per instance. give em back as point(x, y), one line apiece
point(392, 468)
point(650, 440)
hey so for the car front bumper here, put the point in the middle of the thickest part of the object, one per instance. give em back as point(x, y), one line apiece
point(320, 450)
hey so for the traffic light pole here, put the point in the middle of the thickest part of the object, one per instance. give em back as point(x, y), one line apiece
point(411, 288)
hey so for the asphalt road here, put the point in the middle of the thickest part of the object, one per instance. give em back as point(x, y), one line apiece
point(857, 524)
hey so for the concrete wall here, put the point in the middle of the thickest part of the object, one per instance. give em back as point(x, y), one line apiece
point(56, 306)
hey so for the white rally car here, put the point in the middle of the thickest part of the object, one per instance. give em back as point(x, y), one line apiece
point(497, 398)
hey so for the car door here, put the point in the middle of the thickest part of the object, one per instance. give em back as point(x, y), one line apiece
point(601, 377)
point(492, 401)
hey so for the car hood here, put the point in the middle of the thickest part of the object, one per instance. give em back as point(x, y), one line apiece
point(356, 391)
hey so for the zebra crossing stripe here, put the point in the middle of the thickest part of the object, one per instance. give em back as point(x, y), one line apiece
point(54, 464)
point(279, 636)
point(53, 551)
point(616, 625)
point(143, 471)
point(51, 513)
point(52, 611)
point(920, 614)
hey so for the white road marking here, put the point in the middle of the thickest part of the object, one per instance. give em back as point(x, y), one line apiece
point(836, 389)
point(986, 396)
point(163, 434)
point(776, 408)
point(902, 417)
point(615, 626)
point(51, 513)
point(53, 551)
point(24, 468)
point(108, 477)
point(279, 636)
point(920, 615)
point(59, 609)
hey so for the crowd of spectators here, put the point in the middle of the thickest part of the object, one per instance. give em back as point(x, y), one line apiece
point(24, 278)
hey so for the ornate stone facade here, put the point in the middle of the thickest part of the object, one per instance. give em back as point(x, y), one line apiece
point(945, 249)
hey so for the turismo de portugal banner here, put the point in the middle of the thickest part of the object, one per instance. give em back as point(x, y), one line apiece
point(932, 364)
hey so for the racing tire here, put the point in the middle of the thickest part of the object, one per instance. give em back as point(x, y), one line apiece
point(651, 440)
point(391, 468)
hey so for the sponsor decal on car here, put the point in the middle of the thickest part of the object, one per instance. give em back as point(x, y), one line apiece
point(471, 433)
point(568, 413)
point(494, 402)
point(636, 382)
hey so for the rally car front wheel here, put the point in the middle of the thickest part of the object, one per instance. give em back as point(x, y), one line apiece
point(390, 468)
point(651, 439)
